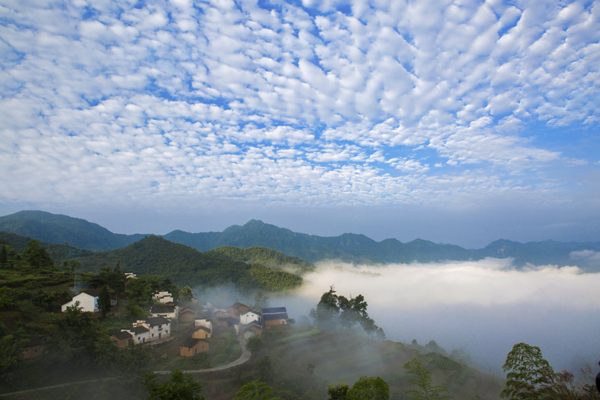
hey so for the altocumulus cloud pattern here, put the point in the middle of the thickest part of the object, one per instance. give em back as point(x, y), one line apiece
point(299, 102)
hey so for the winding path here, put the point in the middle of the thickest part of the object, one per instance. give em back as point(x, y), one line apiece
point(243, 358)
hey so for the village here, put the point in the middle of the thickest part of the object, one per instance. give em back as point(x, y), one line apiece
point(190, 326)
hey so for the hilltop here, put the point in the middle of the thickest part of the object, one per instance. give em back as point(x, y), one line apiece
point(184, 265)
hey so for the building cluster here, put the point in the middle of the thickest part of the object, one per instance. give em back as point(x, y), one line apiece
point(157, 328)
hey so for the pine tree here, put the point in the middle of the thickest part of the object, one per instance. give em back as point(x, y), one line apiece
point(104, 301)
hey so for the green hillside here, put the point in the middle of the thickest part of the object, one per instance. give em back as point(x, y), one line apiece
point(56, 251)
point(344, 356)
point(58, 229)
point(184, 265)
point(263, 256)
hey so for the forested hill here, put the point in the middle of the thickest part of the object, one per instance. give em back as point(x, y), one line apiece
point(349, 247)
point(184, 265)
point(264, 256)
point(58, 229)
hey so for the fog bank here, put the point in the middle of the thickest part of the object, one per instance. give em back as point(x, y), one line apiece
point(483, 307)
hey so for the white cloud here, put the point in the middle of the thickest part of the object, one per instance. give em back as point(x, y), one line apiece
point(166, 93)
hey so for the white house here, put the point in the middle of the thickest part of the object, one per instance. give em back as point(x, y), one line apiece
point(140, 334)
point(249, 316)
point(163, 297)
point(159, 328)
point(88, 301)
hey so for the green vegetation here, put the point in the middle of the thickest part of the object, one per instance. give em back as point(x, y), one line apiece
point(366, 388)
point(422, 379)
point(531, 377)
point(179, 387)
point(263, 256)
point(185, 266)
point(335, 311)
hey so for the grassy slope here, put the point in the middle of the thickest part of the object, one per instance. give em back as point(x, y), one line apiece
point(348, 357)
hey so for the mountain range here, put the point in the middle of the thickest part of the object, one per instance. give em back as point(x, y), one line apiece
point(357, 248)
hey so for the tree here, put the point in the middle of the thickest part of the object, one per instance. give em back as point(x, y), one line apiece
point(530, 376)
point(265, 369)
point(422, 379)
point(77, 339)
point(11, 352)
point(369, 388)
point(3, 256)
point(334, 310)
point(181, 386)
point(255, 390)
point(254, 344)
point(186, 294)
point(104, 301)
point(338, 391)
point(36, 256)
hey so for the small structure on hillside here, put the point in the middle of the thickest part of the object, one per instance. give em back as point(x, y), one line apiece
point(140, 334)
point(274, 318)
point(188, 314)
point(130, 275)
point(192, 347)
point(162, 297)
point(87, 301)
point(34, 348)
point(248, 316)
point(166, 311)
point(150, 329)
point(236, 309)
point(122, 338)
point(201, 332)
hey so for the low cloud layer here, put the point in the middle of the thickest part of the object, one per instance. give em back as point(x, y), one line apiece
point(483, 307)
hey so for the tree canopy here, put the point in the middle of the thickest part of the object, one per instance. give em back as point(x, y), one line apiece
point(335, 311)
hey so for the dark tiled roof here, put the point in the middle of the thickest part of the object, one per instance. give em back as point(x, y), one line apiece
point(202, 328)
point(157, 321)
point(250, 311)
point(92, 292)
point(270, 317)
point(255, 323)
point(140, 329)
point(122, 335)
point(238, 305)
point(162, 309)
point(275, 310)
point(191, 342)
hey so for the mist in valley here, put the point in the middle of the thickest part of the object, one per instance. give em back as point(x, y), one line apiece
point(482, 307)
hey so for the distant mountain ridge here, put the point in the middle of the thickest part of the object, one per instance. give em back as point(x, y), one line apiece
point(58, 229)
point(348, 247)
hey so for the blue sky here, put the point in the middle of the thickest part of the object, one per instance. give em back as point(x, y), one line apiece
point(454, 121)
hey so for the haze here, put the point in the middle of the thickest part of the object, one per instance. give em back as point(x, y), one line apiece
point(481, 307)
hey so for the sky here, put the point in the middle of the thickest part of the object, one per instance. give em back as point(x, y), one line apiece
point(454, 121)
